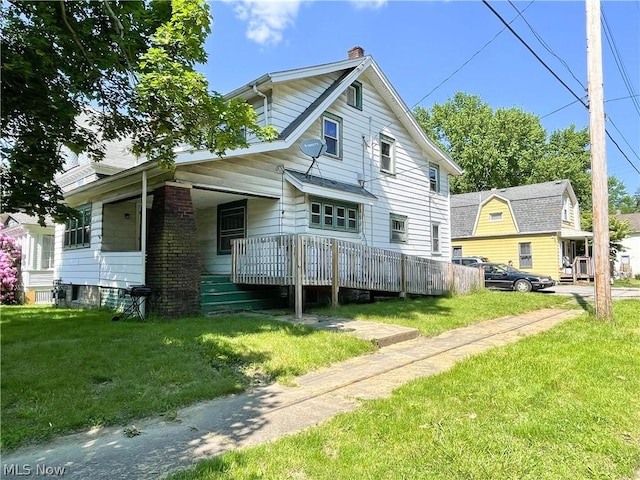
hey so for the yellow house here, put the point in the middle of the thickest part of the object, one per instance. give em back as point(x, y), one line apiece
point(536, 227)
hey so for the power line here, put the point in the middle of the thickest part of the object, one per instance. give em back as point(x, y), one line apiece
point(556, 76)
point(470, 58)
point(547, 47)
point(619, 63)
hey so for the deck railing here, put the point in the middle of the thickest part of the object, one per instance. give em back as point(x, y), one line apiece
point(308, 260)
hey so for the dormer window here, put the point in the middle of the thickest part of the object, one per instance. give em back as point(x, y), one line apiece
point(495, 217)
point(354, 95)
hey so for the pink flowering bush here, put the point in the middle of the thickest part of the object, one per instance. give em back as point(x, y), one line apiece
point(9, 270)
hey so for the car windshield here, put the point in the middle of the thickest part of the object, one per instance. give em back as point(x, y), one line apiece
point(504, 267)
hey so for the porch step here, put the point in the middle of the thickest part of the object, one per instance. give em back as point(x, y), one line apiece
point(219, 294)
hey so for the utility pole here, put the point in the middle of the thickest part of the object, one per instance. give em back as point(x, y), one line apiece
point(599, 185)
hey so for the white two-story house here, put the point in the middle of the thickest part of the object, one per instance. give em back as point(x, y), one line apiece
point(380, 182)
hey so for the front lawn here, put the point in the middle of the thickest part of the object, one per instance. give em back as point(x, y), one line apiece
point(434, 315)
point(560, 405)
point(73, 369)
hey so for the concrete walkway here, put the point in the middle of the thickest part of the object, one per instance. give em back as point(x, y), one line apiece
point(266, 413)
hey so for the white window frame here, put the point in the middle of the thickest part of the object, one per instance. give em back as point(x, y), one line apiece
point(495, 217)
point(331, 118)
point(525, 255)
point(434, 177)
point(566, 207)
point(435, 238)
point(456, 251)
point(46, 254)
point(398, 228)
point(391, 157)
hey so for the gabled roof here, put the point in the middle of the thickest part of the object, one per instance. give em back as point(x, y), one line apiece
point(536, 207)
point(349, 71)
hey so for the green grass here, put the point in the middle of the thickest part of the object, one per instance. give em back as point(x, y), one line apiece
point(64, 370)
point(564, 404)
point(434, 315)
point(627, 283)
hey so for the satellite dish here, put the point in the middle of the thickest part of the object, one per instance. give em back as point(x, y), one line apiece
point(313, 148)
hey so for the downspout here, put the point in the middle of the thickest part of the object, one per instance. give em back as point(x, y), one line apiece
point(265, 104)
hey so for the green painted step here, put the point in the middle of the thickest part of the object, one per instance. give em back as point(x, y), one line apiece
point(219, 294)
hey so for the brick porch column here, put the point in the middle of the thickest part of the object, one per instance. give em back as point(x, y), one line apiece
point(173, 256)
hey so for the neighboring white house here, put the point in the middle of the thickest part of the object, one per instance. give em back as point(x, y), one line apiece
point(628, 261)
point(37, 252)
point(381, 182)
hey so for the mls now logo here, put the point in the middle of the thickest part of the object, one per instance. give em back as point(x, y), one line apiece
point(26, 470)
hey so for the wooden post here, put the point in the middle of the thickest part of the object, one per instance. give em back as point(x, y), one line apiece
point(335, 278)
point(298, 273)
point(451, 277)
point(403, 276)
point(599, 185)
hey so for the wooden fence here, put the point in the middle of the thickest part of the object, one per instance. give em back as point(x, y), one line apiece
point(307, 260)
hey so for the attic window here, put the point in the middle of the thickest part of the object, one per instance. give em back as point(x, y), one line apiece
point(495, 217)
point(354, 95)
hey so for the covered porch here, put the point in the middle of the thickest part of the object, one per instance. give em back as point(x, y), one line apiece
point(576, 261)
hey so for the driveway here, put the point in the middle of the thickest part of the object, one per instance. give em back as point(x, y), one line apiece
point(587, 292)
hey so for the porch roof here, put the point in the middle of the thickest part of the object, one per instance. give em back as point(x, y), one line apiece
point(325, 187)
point(570, 234)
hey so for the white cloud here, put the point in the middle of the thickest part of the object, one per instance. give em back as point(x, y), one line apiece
point(266, 19)
point(373, 4)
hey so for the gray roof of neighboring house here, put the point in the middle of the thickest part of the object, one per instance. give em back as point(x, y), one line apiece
point(632, 218)
point(536, 207)
point(24, 219)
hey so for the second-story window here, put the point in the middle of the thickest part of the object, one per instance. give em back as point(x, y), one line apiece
point(434, 177)
point(387, 154)
point(332, 134)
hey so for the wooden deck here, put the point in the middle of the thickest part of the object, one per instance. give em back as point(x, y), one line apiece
point(582, 269)
point(308, 260)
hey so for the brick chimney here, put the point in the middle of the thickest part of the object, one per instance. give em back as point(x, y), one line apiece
point(355, 52)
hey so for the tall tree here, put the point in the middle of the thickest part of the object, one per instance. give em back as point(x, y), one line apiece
point(128, 66)
point(506, 147)
point(496, 149)
point(619, 200)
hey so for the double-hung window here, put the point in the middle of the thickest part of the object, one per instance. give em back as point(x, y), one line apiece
point(77, 231)
point(354, 95)
point(435, 238)
point(398, 227)
point(525, 254)
point(333, 215)
point(387, 154)
point(232, 224)
point(46, 258)
point(332, 134)
point(434, 177)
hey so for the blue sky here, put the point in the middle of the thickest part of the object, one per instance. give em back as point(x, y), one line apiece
point(420, 44)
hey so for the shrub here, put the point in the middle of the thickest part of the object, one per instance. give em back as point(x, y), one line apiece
point(10, 257)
